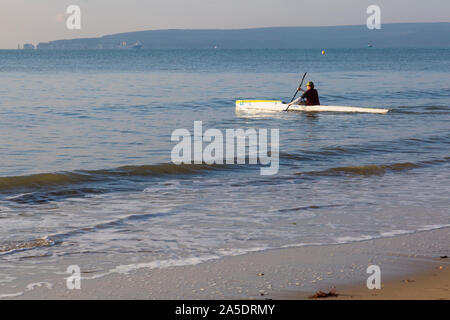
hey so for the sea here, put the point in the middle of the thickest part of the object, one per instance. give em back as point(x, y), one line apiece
point(86, 169)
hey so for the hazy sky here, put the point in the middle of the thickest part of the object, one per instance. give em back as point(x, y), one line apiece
point(33, 21)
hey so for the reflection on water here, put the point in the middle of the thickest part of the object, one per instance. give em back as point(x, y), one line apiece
point(85, 150)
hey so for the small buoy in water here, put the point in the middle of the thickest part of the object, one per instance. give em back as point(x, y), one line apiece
point(323, 52)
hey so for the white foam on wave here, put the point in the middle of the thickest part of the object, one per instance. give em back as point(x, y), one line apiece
point(296, 245)
point(5, 209)
point(240, 251)
point(18, 196)
point(4, 278)
point(78, 199)
point(190, 261)
point(394, 233)
point(355, 239)
point(10, 295)
point(30, 287)
point(389, 234)
point(34, 285)
point(168, 185)
point(158, 264)
point(434, 226)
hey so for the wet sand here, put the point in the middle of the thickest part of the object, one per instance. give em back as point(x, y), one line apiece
point(430, 285)
point(411, 268)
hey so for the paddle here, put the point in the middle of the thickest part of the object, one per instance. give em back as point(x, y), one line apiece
point(297, 90)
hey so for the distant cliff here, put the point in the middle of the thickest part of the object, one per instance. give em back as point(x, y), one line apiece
point(417, 35)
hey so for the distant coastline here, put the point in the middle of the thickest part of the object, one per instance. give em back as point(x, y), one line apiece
point(417, 35)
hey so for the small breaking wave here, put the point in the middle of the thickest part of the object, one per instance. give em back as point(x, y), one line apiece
point(372, 169)
point(45, 180)
point(8, 247)
point(389, 234)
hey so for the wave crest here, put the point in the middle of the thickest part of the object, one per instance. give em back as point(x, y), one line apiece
point(43, 180)
point(364, 170)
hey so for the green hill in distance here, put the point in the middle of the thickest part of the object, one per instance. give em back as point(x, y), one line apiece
point(414, 35)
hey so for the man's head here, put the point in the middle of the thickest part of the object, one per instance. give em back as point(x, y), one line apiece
point(310, 85)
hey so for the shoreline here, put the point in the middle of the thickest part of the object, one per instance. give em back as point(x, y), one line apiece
point(430, 285)
point(288, 273)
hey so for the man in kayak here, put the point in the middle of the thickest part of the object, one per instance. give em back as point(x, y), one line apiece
point(310, 96)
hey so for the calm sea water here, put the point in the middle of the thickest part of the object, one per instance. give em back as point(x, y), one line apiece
point(85, 154)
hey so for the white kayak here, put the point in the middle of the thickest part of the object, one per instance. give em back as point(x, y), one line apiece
point(275, 105)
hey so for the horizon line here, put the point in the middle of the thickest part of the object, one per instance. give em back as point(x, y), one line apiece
point(238, 29)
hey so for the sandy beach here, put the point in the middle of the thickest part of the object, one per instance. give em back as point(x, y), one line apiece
point(431, 285)
point(225, 153)
point(412, 267)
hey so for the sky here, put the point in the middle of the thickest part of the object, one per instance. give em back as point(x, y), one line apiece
point(31, 21)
